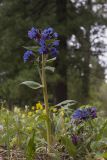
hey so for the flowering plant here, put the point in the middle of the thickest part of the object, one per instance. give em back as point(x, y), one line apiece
point(46, 45)
point(75, 134)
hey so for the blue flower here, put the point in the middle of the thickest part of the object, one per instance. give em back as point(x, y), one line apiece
point(56, 43)
point(42, 42)
point(47, 33)
point(92, 112)
point(46, 39)
point(43, 50)
point(50, 30)
point(32, 33)
point(55, 35)
point(54, 52)
point(80, 114)
point(27, 55)
point(85, 113)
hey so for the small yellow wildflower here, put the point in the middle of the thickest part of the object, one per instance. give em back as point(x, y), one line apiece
point(37, 111)
point(29, 114)
point(62, 113)
point(33, 108)
point(54, 110)
point(39, 106)
point(44, 111)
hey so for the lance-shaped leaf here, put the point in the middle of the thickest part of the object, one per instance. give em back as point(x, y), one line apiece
point(32, 84)
point(49, 68)
point(66, 103)
point(32, 48)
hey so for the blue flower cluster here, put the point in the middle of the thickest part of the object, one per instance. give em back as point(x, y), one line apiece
point(85, 113)
point(28, 55)
point(46, 39)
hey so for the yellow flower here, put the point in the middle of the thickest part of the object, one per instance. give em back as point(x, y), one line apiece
point(36, 111)
point(44, 111)
point(54, 110)
point(29, 113)
point(23, 115)
point(33, 108)
point(62, 113)
point(39, 106)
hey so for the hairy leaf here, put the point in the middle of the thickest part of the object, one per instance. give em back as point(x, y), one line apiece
point(51, 60)
point(32, 84)
point(52, 69)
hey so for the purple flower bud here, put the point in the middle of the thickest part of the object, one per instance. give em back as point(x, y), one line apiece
point(75, 139)
point(93, 111)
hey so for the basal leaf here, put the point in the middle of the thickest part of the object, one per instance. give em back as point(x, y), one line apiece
point(30, 150)
point(66, 103)
point(67, 142)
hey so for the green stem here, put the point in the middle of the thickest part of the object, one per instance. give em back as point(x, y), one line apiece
point(7, 130)
point(45, 94)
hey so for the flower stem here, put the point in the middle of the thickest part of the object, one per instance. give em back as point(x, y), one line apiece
point(45, 94)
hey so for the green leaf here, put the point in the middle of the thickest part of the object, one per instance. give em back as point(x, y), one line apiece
point(66, 103)
point(49, 41)
point(100, 133)
point(104, 155)
point(32, 84)
point(30, 150)
point(52, 69)
point(32, 48)
point(67, 142)
point(51, 60)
